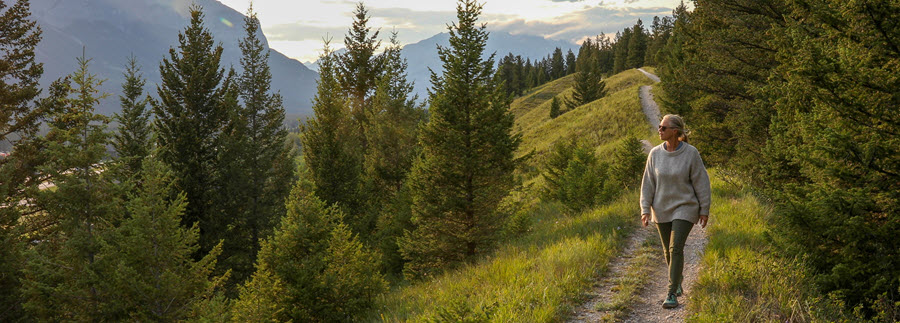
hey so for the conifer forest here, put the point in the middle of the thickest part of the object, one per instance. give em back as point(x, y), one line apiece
point(508, 193)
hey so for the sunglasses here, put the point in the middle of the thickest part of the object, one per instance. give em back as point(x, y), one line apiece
point(664, 128)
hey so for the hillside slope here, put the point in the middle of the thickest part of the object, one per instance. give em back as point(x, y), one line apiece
point(604, 123)
point(541, 275)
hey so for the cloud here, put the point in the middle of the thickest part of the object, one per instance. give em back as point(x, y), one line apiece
point(583, 23)
point(413, 25)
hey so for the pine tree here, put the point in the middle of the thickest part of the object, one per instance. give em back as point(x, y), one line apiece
point(467, 161)
point(660, 33)
point(574, 175)
point(557, 64)
point(396, 117)
point(554, 108)
point(832, 161)
point(628, 163)
point(328, 149)
point(132, 141)
point(311, 269)
point(393, 139)
point(605, 54)
point(19, 119)
point(589, 85)
point(620, 51)
point(152, 275)
point(637, 46)
point(570, 62)
point(676, 95)
point(257, 165)
point(194, 99)
point(63, 271)
point(358, 70)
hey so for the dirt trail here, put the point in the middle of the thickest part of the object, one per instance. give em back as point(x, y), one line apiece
point(649, 305)
point(603, 290)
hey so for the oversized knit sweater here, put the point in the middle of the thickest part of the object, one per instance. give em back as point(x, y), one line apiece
point(675, 185)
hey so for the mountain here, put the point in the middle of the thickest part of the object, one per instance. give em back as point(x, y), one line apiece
point(109, 31)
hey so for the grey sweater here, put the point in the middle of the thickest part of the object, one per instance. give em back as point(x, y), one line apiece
point(675, 185)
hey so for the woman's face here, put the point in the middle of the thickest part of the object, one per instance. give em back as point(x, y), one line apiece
point(665, 130)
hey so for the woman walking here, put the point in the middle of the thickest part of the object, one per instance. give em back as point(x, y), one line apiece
point(675, 194)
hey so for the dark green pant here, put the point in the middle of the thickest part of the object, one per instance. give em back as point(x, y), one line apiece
point(673, 244)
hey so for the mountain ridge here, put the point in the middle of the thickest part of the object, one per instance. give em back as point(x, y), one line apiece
point(109, 31)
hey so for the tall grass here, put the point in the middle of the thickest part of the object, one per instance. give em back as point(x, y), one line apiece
point(537, 278)
point(745, 278)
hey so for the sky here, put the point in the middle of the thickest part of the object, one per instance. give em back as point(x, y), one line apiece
point(297, 28)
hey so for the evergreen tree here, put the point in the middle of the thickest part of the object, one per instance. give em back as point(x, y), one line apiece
point(570, 62)
point(575, 176)
point(557, 64)
point(467, 161)
point(554, 108)
point(660, 33)
point(195, 96)
point(327, 148)
point(833, 159)
point(628, 163)
point(19, 120)
point(529, 74)
point(358, 70)
point(312, 269)
point(63, 273)
point(510, 72)
point(676, 95)
point(257, 165)
point(393, 146)
point(620, 50)
point(132, 141)
point(637, 46)
point(151, 273)
point(605, 54)
point(589, 85)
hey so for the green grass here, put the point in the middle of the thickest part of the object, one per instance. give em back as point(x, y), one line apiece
point(537, 278)
point(744, 277)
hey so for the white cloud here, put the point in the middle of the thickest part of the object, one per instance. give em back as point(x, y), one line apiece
point(296, 28)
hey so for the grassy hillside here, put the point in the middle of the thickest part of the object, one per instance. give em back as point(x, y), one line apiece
point(541, 275)
point(603, 122)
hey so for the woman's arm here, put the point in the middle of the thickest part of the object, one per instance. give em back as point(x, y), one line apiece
point(648, 187)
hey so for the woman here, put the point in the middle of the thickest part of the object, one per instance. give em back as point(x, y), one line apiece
point(675, 194)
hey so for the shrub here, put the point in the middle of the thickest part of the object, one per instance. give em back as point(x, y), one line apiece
point(575, 176)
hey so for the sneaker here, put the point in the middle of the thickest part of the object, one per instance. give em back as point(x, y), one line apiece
point(679, 292)
point(671, 301)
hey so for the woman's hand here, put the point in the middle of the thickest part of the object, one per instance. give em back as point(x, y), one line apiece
point(645, 219)
point(703, 220)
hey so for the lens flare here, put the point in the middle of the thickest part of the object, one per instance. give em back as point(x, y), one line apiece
point(226, 22)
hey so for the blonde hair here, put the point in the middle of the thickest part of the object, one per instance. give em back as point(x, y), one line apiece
point(677, 122)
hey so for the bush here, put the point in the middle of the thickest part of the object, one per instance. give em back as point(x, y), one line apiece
point(575, 176)
point(628, 163)
point(312, 269)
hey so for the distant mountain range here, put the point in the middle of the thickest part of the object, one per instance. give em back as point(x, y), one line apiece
point(110, 31)
point(423, 55)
